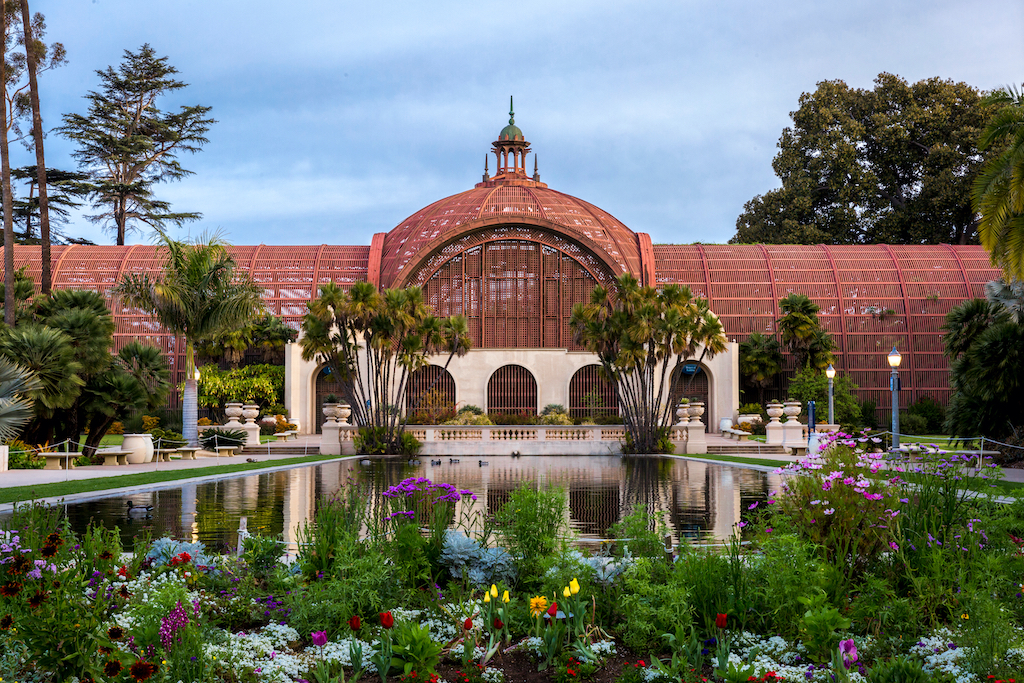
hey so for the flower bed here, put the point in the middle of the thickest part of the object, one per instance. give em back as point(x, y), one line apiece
point(858, 569)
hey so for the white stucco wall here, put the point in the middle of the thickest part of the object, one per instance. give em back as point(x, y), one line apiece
point(552, 368)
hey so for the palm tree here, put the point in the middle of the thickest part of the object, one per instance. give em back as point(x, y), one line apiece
point(760, 361)
point(642, 337)
point(16, 386)
point(965, 323)
point(998, 192)
point(1008, 296)
point(200, 294)
point(798, 325)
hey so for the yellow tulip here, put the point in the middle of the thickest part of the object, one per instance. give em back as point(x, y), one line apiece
point(487, 597)
point(566, 593)
point(504, 597)
point(494, 591)
point(574, 586)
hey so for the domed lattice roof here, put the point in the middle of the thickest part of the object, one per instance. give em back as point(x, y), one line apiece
point(517, 202)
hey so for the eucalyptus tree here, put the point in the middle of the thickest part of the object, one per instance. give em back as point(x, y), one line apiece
point(373, 342)
point(998, 191)
point(200, 294)
point(642, 337)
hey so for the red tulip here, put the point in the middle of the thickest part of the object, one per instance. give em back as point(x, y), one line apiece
point(386, 620)
point(498, 623)
point(553, 610)
point(355, 622)
point(467, 625)
point(720, 620)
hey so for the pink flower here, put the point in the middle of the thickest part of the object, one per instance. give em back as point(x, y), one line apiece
point(319, 638)
point(893, 545)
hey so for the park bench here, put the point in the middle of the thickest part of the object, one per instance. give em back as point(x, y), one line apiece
point(226, 451)
point(60, 461)
point(188, 452)
point(737, 434)
point(113, 456)
point(290, 434)
point(164, 454)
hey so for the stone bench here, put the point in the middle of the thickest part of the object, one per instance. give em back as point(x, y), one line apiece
point(164, 454)
point(60, 461)
point(290, 434)
point(737, 434)
point(188, 452)
point(226, 451)
point(113, 456)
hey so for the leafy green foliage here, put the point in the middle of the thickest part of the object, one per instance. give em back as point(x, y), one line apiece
point(212, 438)
point(760, 362)
point(531, 525)
point(414, 650)
point(998, 191)
point(820, 626)
point(262, 385)
point(812, 385)
point(893, 164)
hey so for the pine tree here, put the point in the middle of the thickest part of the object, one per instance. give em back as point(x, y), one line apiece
point(128, 144)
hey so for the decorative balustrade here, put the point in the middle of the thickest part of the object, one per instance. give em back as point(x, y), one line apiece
point(507, 439)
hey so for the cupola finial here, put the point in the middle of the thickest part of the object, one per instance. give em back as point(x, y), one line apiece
point(511, 111)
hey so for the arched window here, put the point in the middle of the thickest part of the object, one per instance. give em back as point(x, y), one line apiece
point(591, 394)
point(512, 390)
point(431, 389)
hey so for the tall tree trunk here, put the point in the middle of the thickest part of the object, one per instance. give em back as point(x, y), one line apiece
point(5, 173)
point(32, 54)
point(190, 399)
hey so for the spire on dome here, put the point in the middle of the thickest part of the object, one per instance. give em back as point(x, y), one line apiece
point(511, 111)
point(511, 148)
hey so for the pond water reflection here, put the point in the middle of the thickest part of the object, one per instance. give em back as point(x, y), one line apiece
point(694, 500)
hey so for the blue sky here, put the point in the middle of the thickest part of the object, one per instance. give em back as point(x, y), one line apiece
point(337, 120)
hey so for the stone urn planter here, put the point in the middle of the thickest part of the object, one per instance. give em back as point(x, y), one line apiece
point(343, 412)
point(791, 409)
point(682, 413)
point(140, 447)
point(775, 411)
point(332, 411)
point(250, 413)
point(233, 411)
point(696, 410)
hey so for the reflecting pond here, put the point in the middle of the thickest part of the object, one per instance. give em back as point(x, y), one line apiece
point(694, 500)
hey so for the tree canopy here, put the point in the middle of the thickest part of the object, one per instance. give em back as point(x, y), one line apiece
point(893, 164)
point(128, 144)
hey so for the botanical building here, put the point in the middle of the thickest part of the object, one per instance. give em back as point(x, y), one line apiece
point(513, 255)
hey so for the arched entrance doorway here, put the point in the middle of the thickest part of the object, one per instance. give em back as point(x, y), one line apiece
point(591, 394)
point(694, 382)
point(512, 390)
point(325, 386)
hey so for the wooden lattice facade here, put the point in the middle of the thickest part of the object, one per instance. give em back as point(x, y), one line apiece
point(514, 256)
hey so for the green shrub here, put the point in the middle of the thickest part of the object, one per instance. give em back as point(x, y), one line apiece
point(23, 457)
point(470, 408)
point(514, 419)
point(636, 533)
point(899, 670)
point(913, 424)
point(750, 409)
point(933, 413)
point(868, 414)
point(531, 526)
point(785, 568)
point(212, 438)
point(653, 600)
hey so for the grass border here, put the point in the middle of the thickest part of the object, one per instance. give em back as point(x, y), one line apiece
point(21, 494)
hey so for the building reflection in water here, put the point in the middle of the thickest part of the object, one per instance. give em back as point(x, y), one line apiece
point(693, 500)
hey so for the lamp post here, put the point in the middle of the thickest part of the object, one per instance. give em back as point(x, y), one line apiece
point(894, 385)
point(830, 372)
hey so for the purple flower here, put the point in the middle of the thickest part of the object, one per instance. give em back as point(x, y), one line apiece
point(319, 638)
point(849, 651)
point(752, 505)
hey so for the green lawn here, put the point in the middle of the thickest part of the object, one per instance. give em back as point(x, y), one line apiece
point(66, 488)
point(745, 461)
